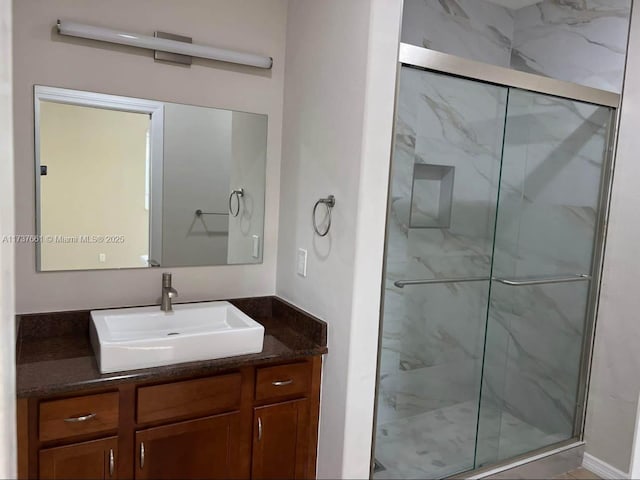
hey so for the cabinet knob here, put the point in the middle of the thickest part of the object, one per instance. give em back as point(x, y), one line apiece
point(112, 462)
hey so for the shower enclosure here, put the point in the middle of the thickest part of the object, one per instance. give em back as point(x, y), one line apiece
point(498, 194)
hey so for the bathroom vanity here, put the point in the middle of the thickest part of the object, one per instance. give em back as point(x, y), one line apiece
point(196, 391)
point(250, 416)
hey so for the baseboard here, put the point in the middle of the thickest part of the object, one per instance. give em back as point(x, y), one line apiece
point(602, 469)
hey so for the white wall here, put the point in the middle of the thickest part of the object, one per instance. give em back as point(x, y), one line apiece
point(7, 352)
point(339, 91)
point(384, 34)
point(615, 383)
point(48, 59)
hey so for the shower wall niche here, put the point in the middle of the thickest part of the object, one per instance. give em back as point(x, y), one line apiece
point(431, 196)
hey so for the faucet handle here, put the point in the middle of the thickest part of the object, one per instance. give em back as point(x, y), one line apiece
point(166, 280)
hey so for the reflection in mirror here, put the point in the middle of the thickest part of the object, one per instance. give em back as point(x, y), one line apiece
point(130, 183)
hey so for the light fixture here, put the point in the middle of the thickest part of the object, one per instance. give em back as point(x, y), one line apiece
point(162, 44)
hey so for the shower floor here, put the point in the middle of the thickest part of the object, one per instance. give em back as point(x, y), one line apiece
point(441, 442)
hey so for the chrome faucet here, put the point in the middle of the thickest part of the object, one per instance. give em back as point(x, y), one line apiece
point(168, 292)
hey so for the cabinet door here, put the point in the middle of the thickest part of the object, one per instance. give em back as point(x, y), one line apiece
point(206, 448)
point(82, 461)
point(280, 440)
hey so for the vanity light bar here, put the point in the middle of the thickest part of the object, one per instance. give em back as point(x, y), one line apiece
point(82, 30)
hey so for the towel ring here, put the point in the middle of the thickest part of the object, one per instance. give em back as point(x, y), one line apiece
point(238, 192)
point(328, 202)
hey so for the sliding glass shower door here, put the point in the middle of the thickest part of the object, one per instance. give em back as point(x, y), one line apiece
point(552, 166)
point(494, 200)
point(443, 197)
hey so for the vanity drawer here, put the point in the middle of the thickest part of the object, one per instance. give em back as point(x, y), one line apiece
point(283, 380)
point(75, 416)
point(189, 398)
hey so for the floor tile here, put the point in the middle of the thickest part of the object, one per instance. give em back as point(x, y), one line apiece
point(583, 474)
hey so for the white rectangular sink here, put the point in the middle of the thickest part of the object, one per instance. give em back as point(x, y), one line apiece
point(132, 338)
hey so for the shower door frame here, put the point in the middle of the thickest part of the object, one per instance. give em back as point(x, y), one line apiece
point(430, 60)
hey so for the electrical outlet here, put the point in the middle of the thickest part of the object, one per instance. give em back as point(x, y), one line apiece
point(302, 262)
point(102, 257)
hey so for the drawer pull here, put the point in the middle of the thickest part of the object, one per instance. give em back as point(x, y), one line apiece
point(282, 383)
point(141, 455)
point(82, 418)
point(259, 428)
point(112, 462)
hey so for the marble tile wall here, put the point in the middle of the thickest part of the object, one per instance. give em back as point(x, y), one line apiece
point(580, 41)
point(473, 29)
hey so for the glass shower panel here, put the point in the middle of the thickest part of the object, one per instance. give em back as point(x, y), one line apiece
point(554, 152)
point(444, 187)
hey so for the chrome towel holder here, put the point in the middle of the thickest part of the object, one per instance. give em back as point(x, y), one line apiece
point(329, 203)
point(238, 193)
point(200, 213)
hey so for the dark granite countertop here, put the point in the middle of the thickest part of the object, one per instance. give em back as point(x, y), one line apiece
point(54, 353)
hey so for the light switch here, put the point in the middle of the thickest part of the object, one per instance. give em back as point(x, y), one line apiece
point(302, 262)
point(255, 252)
point(102, 257)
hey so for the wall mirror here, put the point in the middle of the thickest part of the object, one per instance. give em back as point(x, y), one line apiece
point(131, 183)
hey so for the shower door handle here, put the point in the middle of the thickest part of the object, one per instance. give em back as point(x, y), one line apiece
point(403, 283)
point(543, 280)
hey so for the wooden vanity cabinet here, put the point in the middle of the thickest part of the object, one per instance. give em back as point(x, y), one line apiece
point(280, 440)
point(94, 460)
point(253, 422)
point(205, 448)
